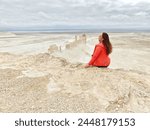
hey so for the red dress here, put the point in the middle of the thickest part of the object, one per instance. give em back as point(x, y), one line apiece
point(100, 57)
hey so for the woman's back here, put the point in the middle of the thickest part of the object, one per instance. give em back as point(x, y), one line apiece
point(100, 56)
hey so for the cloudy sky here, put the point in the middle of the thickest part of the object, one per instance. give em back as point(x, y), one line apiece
point(74, 13)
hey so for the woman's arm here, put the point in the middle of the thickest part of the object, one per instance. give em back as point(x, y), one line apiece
point(95, 55)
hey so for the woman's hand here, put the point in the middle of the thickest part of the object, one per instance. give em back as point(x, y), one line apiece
point(87, 66)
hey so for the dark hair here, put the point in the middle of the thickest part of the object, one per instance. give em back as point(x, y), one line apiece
point(106, 42)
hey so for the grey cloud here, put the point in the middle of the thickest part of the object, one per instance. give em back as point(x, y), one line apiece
point(73, 12)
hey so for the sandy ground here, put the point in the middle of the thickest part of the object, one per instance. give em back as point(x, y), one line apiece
point(58, 82)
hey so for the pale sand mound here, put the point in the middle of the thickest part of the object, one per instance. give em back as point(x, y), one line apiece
point(44, 83)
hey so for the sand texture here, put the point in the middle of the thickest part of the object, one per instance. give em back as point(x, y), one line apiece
point(56, 81)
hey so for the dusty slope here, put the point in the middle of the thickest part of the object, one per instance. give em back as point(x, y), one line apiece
point(44, 83)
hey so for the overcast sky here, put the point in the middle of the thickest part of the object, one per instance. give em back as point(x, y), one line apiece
point(79, 13)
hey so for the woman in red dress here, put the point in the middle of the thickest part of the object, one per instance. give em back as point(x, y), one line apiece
point(100, 57)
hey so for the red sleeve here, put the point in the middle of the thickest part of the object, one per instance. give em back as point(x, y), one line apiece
point(96, 53)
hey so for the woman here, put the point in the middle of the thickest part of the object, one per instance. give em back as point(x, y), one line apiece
point(100, 57)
